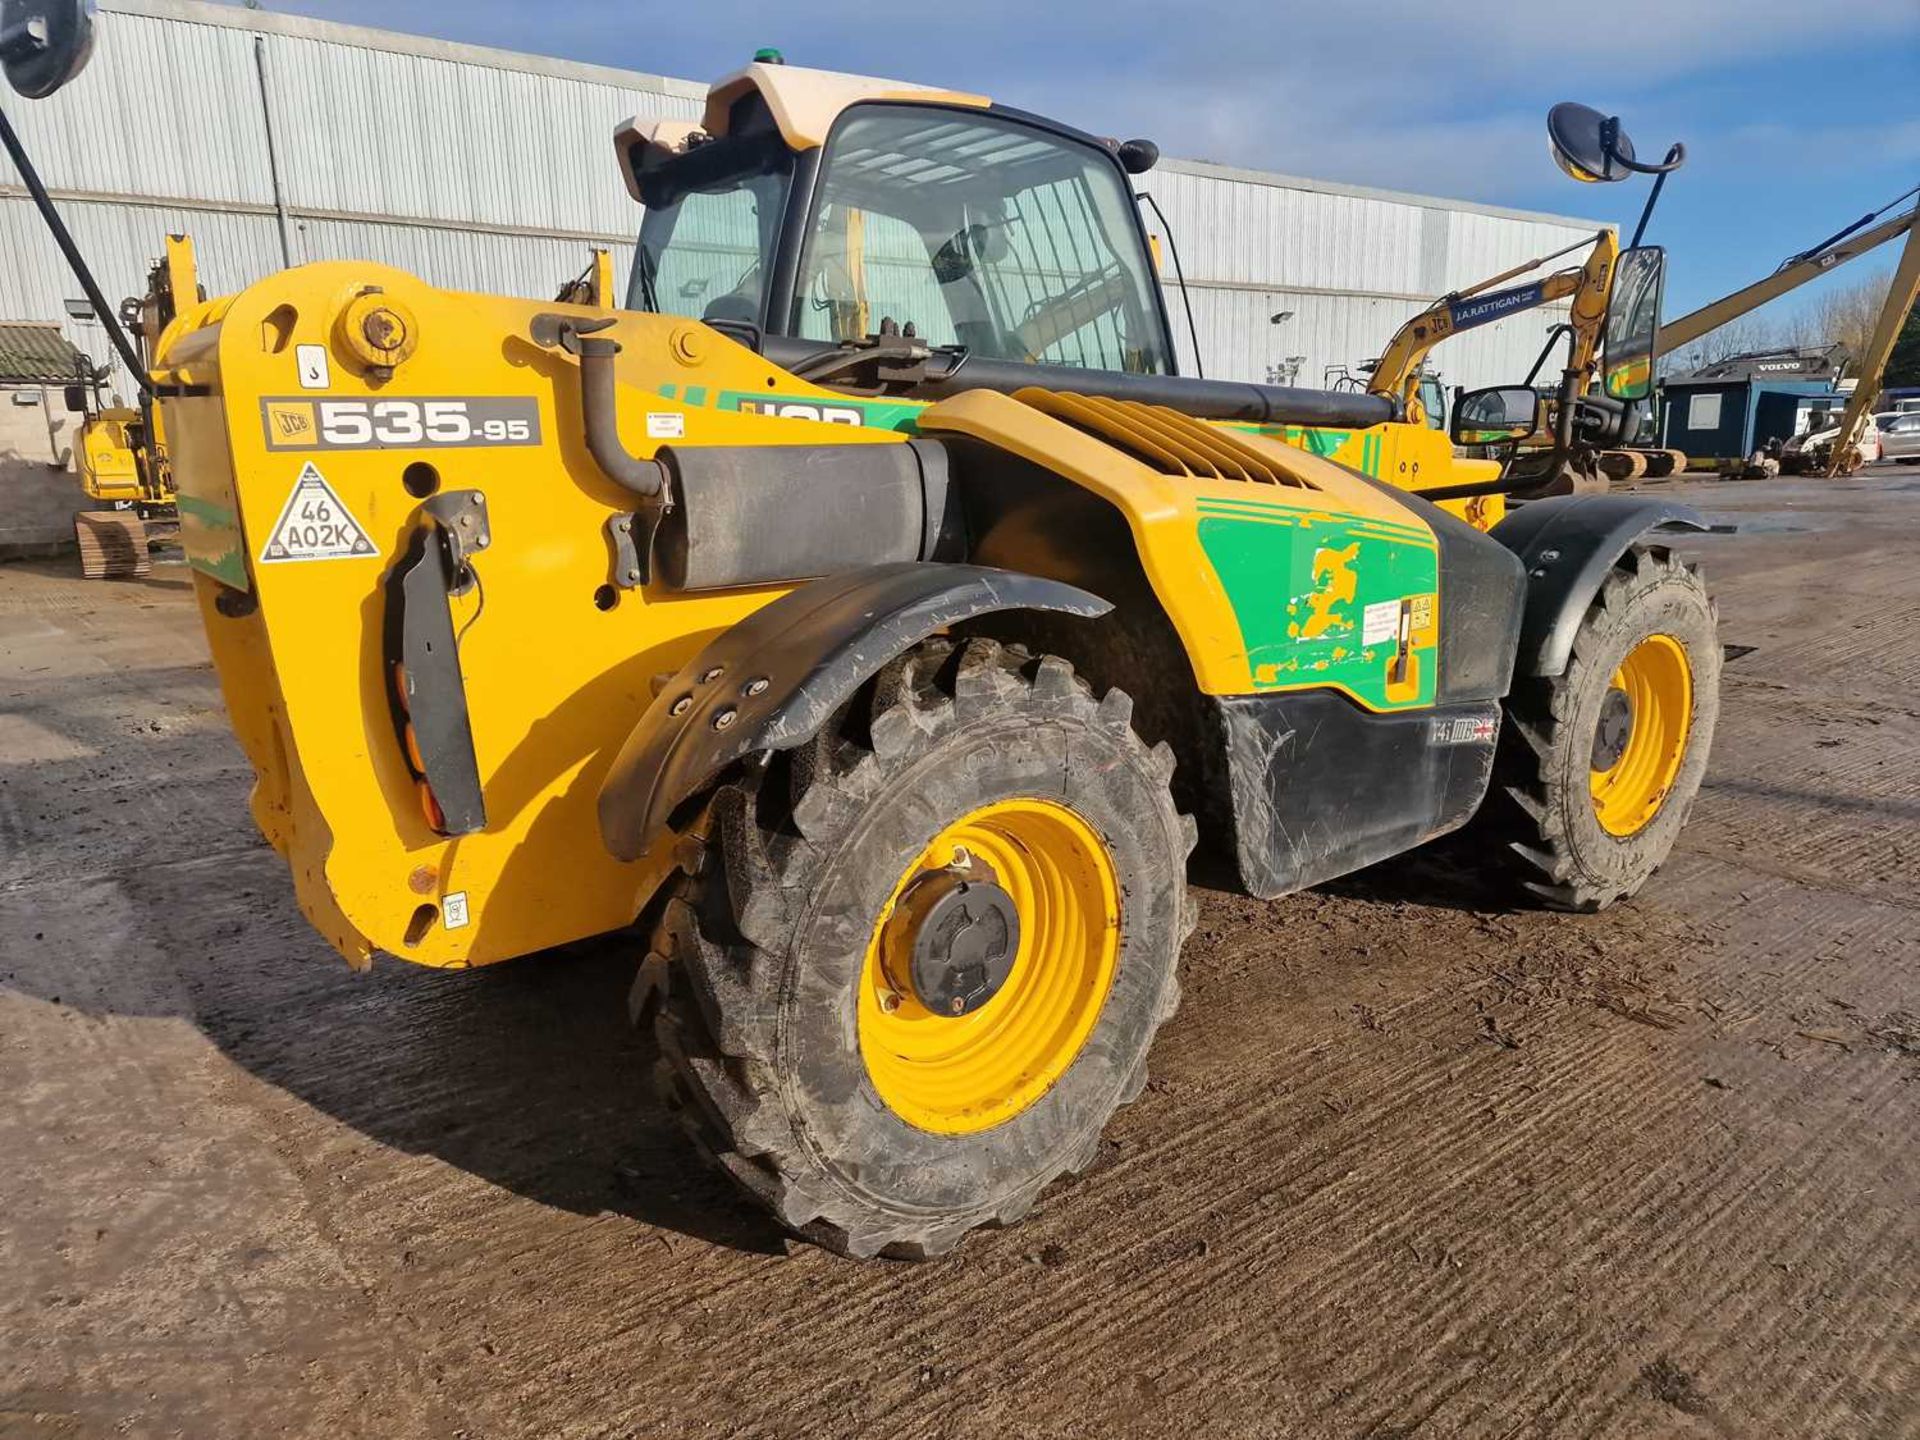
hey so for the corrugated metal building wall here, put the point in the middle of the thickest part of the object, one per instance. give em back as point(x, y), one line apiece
point(483, 170)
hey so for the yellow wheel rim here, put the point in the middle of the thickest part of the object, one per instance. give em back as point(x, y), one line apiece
point(1657, 683)
point(960, 1074)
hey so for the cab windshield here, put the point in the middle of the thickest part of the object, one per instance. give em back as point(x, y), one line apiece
point(990, 234)
point(981, 232)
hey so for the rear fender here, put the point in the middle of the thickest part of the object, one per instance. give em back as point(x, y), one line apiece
point(1568, 543)
point(771, 681)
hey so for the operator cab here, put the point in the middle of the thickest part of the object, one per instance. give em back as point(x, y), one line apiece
point(829, 208)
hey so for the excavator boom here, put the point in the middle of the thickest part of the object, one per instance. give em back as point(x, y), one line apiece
point(1789, 277)
point(1397, 374)
point(1902, 292)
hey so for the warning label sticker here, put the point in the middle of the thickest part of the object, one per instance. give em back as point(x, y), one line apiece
point(314, 525)
point(1380, 621)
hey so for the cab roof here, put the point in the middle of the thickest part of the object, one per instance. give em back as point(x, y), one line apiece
point(804, 104)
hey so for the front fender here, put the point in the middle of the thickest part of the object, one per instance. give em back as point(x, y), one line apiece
point(771, 681)
point(1568, 543)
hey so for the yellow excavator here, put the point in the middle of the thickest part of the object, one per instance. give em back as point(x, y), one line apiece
point(806, 653)
point(1583, 431)
point(123, 457)
point(593, 285)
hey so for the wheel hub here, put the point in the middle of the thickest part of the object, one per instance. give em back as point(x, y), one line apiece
point(962, 935)
point(1614, 732)
point(1029, 949)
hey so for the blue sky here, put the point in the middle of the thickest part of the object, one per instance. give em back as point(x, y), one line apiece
point(1796, 119)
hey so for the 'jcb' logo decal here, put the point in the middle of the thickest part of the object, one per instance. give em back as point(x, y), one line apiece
point(803, 410)
point(291, 422)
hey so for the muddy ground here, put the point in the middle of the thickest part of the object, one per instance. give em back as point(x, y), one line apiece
point(1408, 1167)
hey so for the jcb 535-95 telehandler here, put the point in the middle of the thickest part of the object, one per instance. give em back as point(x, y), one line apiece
point(870, 614)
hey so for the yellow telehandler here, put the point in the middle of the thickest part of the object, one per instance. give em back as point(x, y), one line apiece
point(871, 617)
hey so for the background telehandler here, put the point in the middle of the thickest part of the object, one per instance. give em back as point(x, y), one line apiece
point(872, 616)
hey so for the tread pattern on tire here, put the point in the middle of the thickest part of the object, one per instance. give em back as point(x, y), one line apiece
point(1524, 815)
point(710, 978)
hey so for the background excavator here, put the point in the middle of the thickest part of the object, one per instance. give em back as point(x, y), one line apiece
point(123, 459)
point(1585, 433)
point(1597, 445)
point(1864, 235)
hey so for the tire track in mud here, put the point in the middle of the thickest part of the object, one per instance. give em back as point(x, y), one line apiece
point(1281, 1241)
point(1572, 1062)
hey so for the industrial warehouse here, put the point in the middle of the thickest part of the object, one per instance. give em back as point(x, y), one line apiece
point(290, 140)
point(808, 754)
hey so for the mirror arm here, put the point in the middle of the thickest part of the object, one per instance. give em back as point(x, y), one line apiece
point(1554, 334)
point(1504, 484)
point(1193, 332)
point(1609, 138)
point(1675, 156)
point(108, 315)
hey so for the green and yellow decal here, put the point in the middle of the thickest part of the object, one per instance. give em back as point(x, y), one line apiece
point(1328, 599)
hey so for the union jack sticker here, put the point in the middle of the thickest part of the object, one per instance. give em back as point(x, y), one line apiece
point(1464, 730)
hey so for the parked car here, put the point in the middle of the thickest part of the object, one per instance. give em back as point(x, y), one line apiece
point(1899, 436)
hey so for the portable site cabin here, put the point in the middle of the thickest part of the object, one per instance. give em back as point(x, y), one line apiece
point(1723, 413)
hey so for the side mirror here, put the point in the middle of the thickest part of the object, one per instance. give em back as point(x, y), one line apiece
point(1587, 145)
point(1137, 157)
point(1593, 149)
point(44, 43)
point(76, 398)
point(1495, 416)
point(1633, 323)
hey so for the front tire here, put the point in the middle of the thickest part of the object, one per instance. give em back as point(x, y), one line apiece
point(879, 1085)
point(1598, 766)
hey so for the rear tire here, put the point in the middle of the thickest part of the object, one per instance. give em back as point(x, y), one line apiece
point(762, 958)
point(1570, 840)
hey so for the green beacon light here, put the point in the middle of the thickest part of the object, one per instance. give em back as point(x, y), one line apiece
point(767, 55)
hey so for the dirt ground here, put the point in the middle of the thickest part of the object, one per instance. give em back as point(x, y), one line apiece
point(1408, 1167)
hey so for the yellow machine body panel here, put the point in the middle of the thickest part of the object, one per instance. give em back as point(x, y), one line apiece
point(554, 681)
point(304, 450)
point(1168, 508)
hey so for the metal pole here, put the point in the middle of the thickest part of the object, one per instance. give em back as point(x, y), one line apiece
point(273, 149)
point(61, 237)
point(1646, 213)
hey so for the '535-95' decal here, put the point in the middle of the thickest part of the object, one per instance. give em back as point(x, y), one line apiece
point(307, 423)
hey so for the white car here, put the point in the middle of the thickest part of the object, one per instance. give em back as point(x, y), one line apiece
point(1808, 450)
point(1899, 435)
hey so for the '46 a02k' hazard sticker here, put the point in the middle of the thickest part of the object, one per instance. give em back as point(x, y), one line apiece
point(315, 525)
